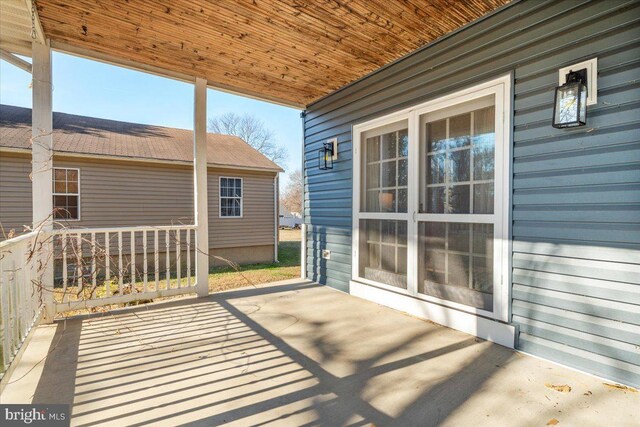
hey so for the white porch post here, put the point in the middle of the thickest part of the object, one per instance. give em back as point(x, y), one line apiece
point(200, 197)
point(42, 165)
point(303, 226)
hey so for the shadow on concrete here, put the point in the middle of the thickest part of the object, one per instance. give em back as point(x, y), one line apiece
point(245, 356)
point(296, 354)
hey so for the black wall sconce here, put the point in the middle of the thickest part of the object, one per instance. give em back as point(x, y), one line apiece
point(327, 154)
point(570, 105)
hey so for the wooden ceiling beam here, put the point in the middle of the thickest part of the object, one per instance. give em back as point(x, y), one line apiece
point(14, 60)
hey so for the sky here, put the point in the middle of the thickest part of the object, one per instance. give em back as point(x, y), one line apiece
point(95, 89)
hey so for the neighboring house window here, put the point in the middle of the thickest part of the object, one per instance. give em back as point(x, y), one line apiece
point(231, 197)
point(66, 193)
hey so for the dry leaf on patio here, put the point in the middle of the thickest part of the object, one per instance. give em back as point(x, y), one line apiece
point(552, 422)
point(620, 387)
point(561, 388)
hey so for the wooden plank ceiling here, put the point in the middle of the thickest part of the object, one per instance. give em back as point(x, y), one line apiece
point(291, 51)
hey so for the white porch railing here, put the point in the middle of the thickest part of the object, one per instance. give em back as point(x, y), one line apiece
point(102, 266)
point(20, 293)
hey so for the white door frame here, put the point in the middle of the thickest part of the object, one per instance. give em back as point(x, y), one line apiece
point(492, 325)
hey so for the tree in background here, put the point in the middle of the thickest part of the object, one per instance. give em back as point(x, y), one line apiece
point(252, 130)
point(292, 195)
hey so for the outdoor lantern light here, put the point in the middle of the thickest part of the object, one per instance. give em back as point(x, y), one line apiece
point(325, 156)
point(570, 107)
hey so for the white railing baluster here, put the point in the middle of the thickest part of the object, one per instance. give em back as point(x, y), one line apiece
point(33, 289)
point(65, 269)
point(79, 270)
point(132, 276)
point(94, 266)
point(144, 257)
point(188, 257)
point(25, 288)
point(168, 262)
point(20, 295)
point(4, 306)
point(156, 259)
point(120, 269)
point(107, 266)
point(19, 279)
point(178, 258)
point(14, 307)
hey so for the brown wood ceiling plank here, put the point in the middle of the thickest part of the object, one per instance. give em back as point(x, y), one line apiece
point(294, 50)
point(135, 39)
point(135, 21)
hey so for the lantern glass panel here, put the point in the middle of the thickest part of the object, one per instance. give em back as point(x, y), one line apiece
point(570, 107)
point(325, 157)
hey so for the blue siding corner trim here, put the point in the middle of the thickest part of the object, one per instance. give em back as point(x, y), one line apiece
point(576, 193)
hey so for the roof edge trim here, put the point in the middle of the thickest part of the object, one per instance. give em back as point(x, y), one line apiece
point(141, 159)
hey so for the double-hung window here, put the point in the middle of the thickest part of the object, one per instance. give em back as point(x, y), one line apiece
point(66, 193)
point(230, 197)
point(431, 200)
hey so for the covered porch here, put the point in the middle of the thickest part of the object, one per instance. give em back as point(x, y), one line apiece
point(297, 353)
point(292, 55)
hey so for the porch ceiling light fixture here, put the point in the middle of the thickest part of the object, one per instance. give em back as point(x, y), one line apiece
point(327, 154)
point(570, 105)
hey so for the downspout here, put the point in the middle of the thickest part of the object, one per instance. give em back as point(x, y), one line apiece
point(303, 226)
point(276, 218)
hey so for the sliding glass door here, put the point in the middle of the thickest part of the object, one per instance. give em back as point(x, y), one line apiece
point(430, 196)
point(456, 222)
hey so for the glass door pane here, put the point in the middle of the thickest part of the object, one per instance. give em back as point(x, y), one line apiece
point(456, 262)
point(385, 169)
point(457, 163)
point(457, 174)
point(382, 234)
point(383, 251)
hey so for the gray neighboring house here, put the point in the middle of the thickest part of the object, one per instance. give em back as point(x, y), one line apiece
point(454, 199)
point(109, 174)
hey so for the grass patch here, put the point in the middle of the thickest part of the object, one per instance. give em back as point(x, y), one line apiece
point(288, 267)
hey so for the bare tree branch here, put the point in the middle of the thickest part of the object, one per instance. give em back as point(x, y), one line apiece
point(252, 130)
point(292, 195)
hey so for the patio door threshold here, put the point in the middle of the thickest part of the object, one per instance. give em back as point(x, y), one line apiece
point(481, 327)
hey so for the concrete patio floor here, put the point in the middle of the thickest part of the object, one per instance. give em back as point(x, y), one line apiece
point(296, 353)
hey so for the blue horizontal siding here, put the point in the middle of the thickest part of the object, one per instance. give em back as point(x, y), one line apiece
point(576, 197)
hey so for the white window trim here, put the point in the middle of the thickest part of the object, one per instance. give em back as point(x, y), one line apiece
point(220, 197)
point(444, 309)
point(69, 194)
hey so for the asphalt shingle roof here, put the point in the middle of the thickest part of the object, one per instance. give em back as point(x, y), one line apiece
point(101, 137)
